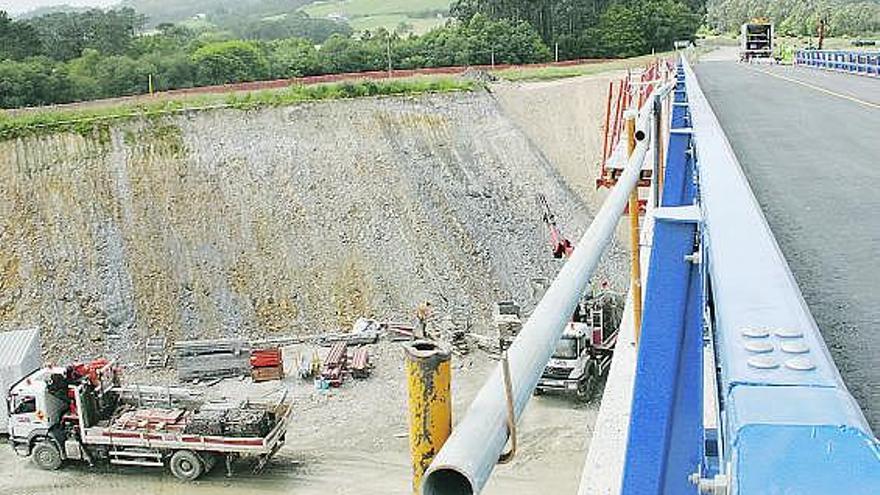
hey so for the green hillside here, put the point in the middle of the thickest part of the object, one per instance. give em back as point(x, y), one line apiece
point(416, 16)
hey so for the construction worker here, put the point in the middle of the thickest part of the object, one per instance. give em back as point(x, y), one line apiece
point(423, 312)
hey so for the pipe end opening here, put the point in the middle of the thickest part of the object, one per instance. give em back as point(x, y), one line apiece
point(426, 349)
point(447, 482)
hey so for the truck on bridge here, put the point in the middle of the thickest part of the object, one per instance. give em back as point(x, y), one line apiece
point(82, 413)
point(756, 40)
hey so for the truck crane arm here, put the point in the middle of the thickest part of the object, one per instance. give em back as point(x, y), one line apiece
point(559, 245)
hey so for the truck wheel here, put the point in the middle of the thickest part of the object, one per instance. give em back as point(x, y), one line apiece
point(186, 465)
point(587, 385)
point(46, 456)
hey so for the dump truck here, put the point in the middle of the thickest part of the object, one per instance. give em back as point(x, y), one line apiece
point(82, 413)
point(756, 40)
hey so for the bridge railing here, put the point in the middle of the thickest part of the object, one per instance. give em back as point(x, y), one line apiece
point(788, 423)
point(866, 63)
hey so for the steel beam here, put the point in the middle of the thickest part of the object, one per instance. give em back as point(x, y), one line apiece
point(666, 430)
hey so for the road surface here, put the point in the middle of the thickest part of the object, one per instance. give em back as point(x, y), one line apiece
point(809, 142)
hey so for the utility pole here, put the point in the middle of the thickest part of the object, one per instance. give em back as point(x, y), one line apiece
point(390, 69)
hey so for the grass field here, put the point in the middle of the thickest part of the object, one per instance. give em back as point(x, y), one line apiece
point(560, 72)
point(94, 121)
point(422, 15)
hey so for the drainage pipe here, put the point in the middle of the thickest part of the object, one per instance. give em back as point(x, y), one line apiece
point(466, 460)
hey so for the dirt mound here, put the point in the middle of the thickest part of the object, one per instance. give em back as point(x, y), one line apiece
point(278, 221)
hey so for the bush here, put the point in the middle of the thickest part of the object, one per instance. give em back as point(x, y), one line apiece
point(230, 62)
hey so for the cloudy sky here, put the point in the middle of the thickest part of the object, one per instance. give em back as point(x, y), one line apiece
point(19, 6)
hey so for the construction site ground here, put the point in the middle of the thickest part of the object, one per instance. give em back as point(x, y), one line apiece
point(295, 221)
point(348, 440)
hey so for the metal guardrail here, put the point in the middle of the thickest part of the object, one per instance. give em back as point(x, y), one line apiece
point(865, 63)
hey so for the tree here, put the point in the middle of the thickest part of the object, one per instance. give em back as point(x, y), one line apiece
point(172, 70)
point(18, 40)
point(293, 25)
point(33, 81)
point(619, 33)
point(120, 75)
point(294, 57)
point(665, 21)
point(229, 62)
point(340, 54)
point(65, 35)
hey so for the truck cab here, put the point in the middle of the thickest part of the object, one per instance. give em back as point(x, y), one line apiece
point(586, 347)
point(36, 404)
point(571, 368)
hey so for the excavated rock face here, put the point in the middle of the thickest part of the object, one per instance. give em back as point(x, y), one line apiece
point(282, 221)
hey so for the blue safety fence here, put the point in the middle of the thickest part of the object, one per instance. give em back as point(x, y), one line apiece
point(665, 442)
point(866, 63)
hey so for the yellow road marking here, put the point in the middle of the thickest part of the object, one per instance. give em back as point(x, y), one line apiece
point(818, 88)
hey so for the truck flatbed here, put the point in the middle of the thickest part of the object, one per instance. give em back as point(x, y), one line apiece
point(105, 434)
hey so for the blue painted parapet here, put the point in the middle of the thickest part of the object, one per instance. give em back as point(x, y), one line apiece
point(865, 63)
point(666, 425)
point(788, 423)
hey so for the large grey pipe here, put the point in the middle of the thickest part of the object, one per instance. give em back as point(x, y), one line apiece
point(467, 458)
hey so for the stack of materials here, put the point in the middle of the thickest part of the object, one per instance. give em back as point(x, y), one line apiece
point(206, 422)
point(334, 364)
point(205, 359)
point(360, 363)
point(151, 419)
point(235, 422)
point(247, 423)
point(266, 364)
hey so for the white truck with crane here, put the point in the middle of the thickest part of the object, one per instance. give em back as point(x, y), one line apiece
point(584, 352)
point(586, 347)
point(82, 413)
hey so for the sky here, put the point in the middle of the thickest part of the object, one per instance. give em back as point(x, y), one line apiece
point(20, 6)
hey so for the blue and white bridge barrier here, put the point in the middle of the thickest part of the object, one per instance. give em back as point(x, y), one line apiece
point(718, 285)
point(854, 62)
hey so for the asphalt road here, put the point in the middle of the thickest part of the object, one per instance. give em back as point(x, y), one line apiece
point(809, 142)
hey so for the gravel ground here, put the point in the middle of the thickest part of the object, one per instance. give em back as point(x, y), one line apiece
point(350, 440)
